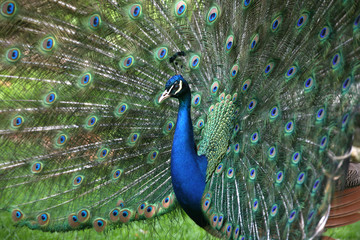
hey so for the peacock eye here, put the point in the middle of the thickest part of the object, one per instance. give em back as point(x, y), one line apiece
point(176, 87)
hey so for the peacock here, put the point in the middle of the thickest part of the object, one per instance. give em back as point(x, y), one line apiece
point(240, 112)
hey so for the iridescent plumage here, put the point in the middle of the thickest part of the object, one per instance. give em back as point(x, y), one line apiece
point(268, 96)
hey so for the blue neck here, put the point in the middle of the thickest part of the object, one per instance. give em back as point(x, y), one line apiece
point(188, 170)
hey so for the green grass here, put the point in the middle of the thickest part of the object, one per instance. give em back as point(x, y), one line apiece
point(350, 232)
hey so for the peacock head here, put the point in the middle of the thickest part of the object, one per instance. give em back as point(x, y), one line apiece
point(175, 87)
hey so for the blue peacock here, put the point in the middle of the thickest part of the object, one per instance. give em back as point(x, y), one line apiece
point(251, 137)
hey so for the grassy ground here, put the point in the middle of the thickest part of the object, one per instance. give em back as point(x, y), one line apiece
point(350, 232)
point(175, 226)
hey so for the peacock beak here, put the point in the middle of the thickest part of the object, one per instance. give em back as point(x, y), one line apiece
point(165, 95)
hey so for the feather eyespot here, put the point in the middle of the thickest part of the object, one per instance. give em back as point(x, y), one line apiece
point(274, 113)
point(13, 55)
point(214, 220)
point(78, 180)
point(166, 202)
point(120, 203)
point(320, 115)
point(289, 127)
point(150, 211)
point(274, 210)
point(324, 33)
point(152, 156)
point(8, 8)
point(246, 3)
point(83, 215)
point(246, 85)
point(234, 97)
point(17, 122)
point(291, 72)
point(169, 126)
point(43, 219)
point(102, 153)
point(236, 232)
point(91, 121)
point(99, 224)
point(229, 43)
point(255, 205)
point(252, 173)
point(219, 168)
point(194, 62)
point(50, 98)
point(196, 100)
point(127, 62)
point(95, 21)
point(302, 21)
point(295, 157)
point(73, 221)
point(220, 221)
point(222, 97)
point(135, 11)
point(114, 215)
point(279, 177)
point(141, 208)
point(200, 123)
point(236, 148)
point(276, 23)
point(125, 215)
point(236, 128)
point(272, 152)
point(211, 108)
point(336, 61)
point(230, 173)
point(116, 174)
point(17, 215)
point(310, 216)
point(292, 216)
point(213, 15)
point(252, 105)
point(300, 178)
point(309, 84)
point(345, 120)
point(234, 71)
point(228, 149)
point(268, 68)
point(37, 167)
point(214, 88)
point(254, 138)
point(134, 138)
point(206, 204)
point(228, 228)
point(180, 9)
point(346, 84)
point(254, 41)
point(48, 44)
point(316, 185)
point(356, 22)
point(85, 79)
point(161, 53)
point(236, 111)
point(121, 109)
point(323, 143)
